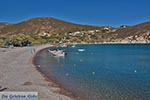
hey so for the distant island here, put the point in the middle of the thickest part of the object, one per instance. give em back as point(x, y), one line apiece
point(51, 30)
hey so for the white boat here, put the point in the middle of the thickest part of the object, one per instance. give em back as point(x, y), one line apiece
point(51, 51)
point(64, 46)
point(81, 50)
point(73, 46)
point(58, 53)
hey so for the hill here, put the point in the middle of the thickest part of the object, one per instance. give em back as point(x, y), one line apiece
point(43, 30)
point(137, 33)
point(43, 25)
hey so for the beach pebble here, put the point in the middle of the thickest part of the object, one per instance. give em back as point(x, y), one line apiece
point(39, 66)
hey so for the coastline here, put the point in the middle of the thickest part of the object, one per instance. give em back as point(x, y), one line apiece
point(62, 90)
point(65, 91)
point(59, 71)
point(17, 73)
point(109, 43)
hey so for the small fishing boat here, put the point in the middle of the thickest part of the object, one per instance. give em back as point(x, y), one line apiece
point(81, 50)
point(57, 53)
point(64, 46)
point(73, 46)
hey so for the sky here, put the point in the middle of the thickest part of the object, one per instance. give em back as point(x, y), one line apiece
point(90, 12)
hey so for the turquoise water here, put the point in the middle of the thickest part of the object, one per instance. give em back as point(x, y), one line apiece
point(101, 72)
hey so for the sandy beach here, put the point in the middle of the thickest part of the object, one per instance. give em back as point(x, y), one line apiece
point(17, 73)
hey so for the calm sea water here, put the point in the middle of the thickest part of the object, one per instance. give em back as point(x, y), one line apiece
point(101, 72)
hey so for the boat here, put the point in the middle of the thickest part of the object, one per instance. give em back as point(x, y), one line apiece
point(64, 46)
point(73, 46)
point(81, 50)
point(57, 53)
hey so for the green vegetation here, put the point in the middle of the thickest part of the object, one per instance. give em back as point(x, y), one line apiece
point(21, 40)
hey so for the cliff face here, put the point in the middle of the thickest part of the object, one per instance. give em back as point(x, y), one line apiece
point(54, 29)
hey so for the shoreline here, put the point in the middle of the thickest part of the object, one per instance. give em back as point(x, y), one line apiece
point(54, 81)
point(62, 90)
point(17, 73)
point(109, 43)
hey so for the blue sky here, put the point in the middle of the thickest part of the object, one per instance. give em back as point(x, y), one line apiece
point(91, 12)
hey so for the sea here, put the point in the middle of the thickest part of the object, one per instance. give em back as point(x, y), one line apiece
point(100, 71)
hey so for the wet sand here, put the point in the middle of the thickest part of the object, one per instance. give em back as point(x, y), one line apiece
point(17, 73)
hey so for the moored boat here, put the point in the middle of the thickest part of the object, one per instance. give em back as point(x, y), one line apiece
point(81, 50)
point(58, 53)
point(73, 46)
point(64, 46)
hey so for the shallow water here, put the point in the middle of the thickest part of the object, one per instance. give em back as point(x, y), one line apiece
point(101, 72)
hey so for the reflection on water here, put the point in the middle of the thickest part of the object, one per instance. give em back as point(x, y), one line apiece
point(102, 72)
